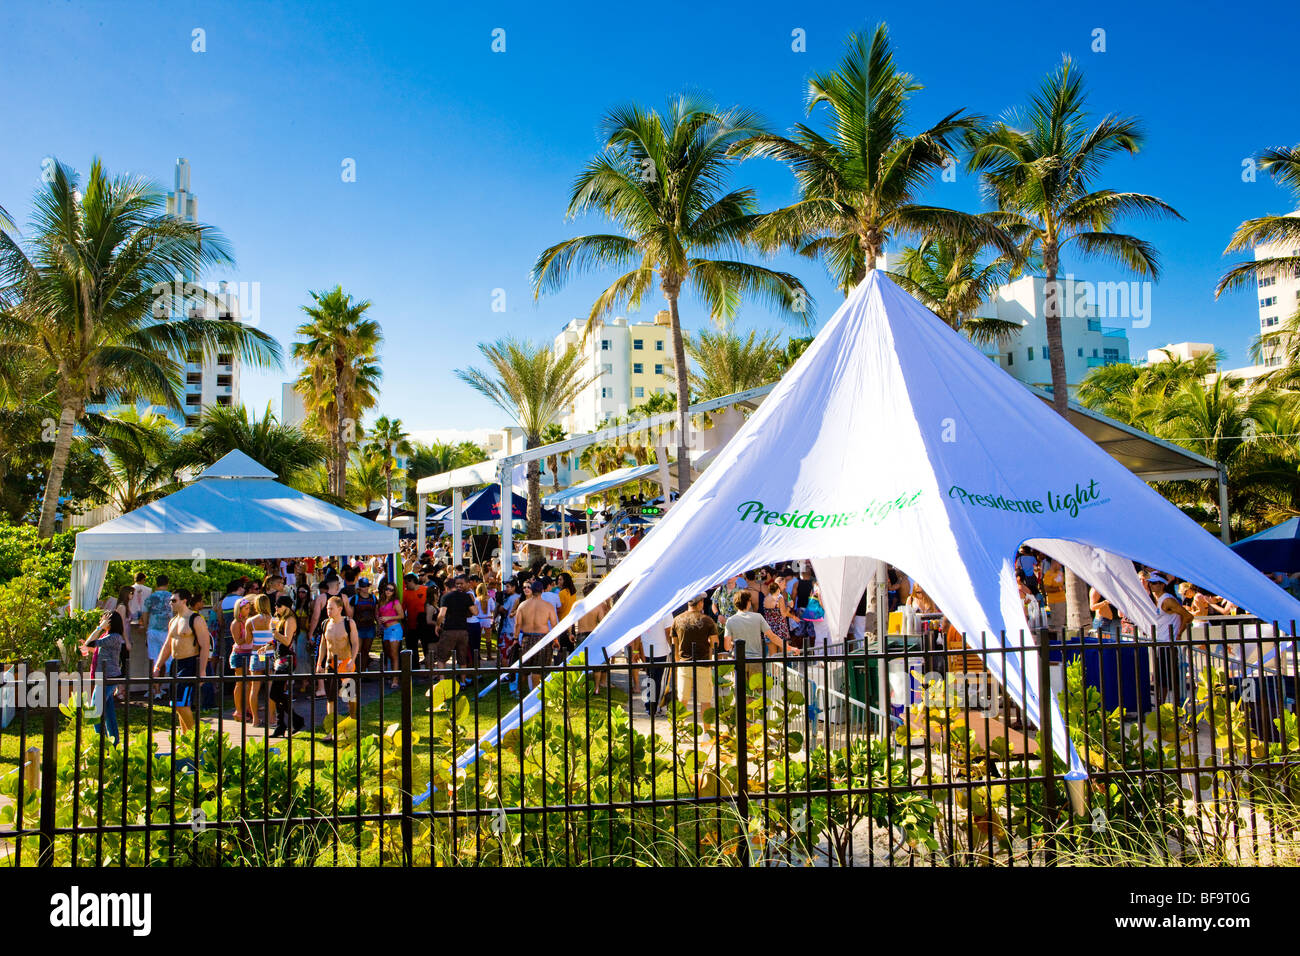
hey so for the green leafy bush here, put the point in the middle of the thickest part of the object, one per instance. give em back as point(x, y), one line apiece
point(24, 615)
point(214, 576)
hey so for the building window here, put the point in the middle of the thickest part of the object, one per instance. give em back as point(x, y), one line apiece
point(604, 393)
point(659, 391)
point(659, 345)
point(607, 368)
point(1031, 353)
point(637, 368)
point(1110, 356)
point(1265, 282)
point(1265, 303)
point(1080, 353)
point(659, 369)
point(1047, 351)
point(1094, 353)
point(1271, 320)
point(638, 344)
point(1011, 359)
point(638, 392)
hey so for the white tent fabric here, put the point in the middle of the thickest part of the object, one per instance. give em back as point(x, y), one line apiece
point(841, 581)
point(572, 543)
point(592, 486)
point(894, 438)
point(233, 510)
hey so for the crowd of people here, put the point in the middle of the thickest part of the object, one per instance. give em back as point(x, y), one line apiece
point(313, 624)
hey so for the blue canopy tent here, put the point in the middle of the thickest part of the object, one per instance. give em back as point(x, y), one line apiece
point(485, 506)
point(1273, 549)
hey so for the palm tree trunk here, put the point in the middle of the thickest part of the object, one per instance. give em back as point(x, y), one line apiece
point(58, 464)
point(1076, 588)
point(341, 444)
point(683, 397)
point(388, 492)
point(534, 502)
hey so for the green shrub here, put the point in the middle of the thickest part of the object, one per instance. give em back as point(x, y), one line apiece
point(182, 574)
point(24, 615)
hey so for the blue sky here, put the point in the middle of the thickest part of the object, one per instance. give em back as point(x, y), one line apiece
point(464, 156)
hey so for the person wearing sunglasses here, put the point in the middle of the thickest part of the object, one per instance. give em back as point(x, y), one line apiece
point(390, 618)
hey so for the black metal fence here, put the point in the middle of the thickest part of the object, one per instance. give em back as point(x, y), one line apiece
point(907, 754)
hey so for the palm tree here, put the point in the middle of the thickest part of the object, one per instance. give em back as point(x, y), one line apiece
point(859, 181)
point(388, 439)
point(660, 179)
point(533, 385)
point(83, 299)
point(727, 363)
point(553, 433)
point(136, 447)
point(946, 276)
point(438, 457)
point(340, 377)
point(286, 450)
point(1039, 166)
point(367, 480)
point(1284, 166)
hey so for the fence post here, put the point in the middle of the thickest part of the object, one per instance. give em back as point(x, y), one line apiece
point(49, 765)
point(408, 806)
point(742, 749)
point(1046, 752)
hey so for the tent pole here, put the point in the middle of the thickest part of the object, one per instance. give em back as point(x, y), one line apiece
point(882, 629)
point(457, 504)
point(1225, 531)
point(662, 454)
point(507, 515)
point(421, 506)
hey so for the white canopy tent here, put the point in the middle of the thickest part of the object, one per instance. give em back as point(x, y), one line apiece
point(236, 509)
point(894, 439)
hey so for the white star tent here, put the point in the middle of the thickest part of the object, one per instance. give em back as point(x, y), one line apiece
point(894, 439)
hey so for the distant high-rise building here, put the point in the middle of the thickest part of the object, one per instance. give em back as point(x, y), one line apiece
point(212, 379)
point(292, 409)
point(629, 363)
point(1279, 298)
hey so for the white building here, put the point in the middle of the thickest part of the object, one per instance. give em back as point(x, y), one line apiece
point(1087, 343)
point(1184, 351)
point(1279, 297)
point(213, 379)
point(293, 411)
point(627, 362)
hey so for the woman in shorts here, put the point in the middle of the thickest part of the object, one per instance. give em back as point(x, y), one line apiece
point(390, 625)
point(239, 654)
point(257, 633)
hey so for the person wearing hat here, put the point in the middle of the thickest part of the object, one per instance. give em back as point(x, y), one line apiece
point(365, 608)
point(1171, 620)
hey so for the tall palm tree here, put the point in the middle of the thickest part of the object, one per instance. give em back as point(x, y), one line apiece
point(948, 279)
point(388, 439)
point(726, 362)
point(286, 450)
point(533, 385)
point(554, 432)
point(860, 181)
point(340, 377)
point(661, 180)
point(1039, 165)
point(82, 297)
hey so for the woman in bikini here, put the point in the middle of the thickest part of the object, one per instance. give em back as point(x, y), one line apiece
point(257, 634)
point(239, 655)
point(390, 626)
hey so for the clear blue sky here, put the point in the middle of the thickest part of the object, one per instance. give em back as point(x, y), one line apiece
point(464, 156)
